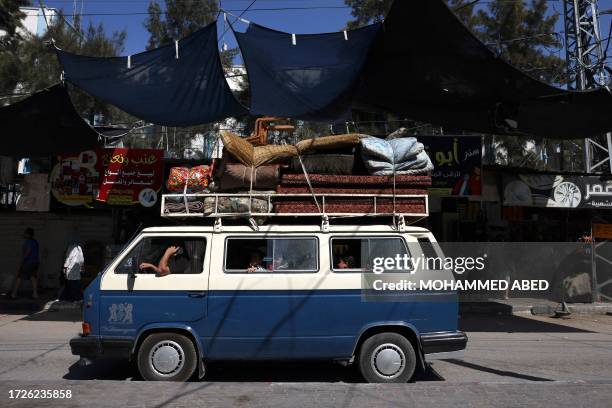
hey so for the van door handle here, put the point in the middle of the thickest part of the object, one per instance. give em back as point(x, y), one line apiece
point(196, 294)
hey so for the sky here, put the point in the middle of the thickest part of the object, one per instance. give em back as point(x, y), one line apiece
point(332, 18)
point(298, 21)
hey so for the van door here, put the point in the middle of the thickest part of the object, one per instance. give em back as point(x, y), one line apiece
point(135, 292)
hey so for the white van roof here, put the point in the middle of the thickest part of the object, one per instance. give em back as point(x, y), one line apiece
point(287, 228)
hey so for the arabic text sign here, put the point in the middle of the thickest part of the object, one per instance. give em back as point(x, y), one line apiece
point(129, 176)
point(111, 176)
point(543, 190)
point(457, 163)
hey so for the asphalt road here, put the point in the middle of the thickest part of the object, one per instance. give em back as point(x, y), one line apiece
point(510, 361)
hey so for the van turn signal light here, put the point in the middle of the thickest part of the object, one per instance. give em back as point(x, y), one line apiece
point(86, 329)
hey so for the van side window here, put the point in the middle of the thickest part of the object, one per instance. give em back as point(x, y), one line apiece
point(184, 255)
point(357, 254)
point(276, 255)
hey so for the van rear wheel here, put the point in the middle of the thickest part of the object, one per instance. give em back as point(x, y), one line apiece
point(167, 357)
point(387, 358)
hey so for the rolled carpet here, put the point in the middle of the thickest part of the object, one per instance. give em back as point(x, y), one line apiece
point(334, 180)
point(403, 205)
point(342, 190)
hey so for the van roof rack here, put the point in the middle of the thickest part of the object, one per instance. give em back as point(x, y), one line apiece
point(216, 206)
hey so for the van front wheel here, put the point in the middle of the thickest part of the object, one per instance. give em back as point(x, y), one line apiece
point(387, 358)
point(167, 357)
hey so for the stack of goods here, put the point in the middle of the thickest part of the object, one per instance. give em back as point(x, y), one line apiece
point(185, 180)
point(353, 184)
point(351, 164)
point(399, 156)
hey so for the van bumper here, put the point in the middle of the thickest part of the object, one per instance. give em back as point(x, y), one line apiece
point(443, 342)
point(94, 347)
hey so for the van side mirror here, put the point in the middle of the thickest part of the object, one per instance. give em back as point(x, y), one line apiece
point(133, 267)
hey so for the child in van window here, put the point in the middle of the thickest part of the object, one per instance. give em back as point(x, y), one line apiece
point(256, 263)
point(342, 264)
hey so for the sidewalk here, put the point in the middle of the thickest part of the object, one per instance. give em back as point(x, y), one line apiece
point(509, 307)
point(45, 302)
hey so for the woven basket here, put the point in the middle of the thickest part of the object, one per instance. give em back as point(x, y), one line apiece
point(328, 142)
point(238, 147)
point(249, 155)
point(273, 154)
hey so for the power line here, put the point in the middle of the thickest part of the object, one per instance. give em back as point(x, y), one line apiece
point(229, 10)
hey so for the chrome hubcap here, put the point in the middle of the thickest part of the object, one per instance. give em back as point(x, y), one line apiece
point(388, 361)
point(167, 358)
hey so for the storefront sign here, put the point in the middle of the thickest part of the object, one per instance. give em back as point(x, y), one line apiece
point(111, 176)
point(603, 231)
point(543, 190)
point(457, 164)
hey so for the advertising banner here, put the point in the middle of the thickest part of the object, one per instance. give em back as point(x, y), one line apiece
point(557, 191)
point(457, 164)
point(117, 176)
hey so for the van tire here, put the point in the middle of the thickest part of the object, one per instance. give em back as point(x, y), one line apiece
point(167, 357)
point(382, 354)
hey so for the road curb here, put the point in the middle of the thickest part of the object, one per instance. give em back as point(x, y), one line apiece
point(508, 308)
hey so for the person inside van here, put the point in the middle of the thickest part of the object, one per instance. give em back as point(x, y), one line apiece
point(256, 263)
point(174, 260)
point(342, 264)
point(280, 263)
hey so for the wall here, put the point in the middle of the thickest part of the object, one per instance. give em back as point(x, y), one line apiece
point(53, 232)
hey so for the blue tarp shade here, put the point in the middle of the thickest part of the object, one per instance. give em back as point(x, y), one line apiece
point(313, 79)
point(157, 86)
point(44, 124)
point(451, 78)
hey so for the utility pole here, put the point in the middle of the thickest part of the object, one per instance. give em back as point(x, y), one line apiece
point(586, 69)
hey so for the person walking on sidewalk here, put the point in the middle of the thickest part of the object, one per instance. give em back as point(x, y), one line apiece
point(29, 264)
point(73, 267)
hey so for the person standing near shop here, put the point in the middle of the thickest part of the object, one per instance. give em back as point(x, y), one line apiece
point(29, 264)
point(73, 267)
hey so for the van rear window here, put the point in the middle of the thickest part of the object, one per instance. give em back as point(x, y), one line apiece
point(271, 255)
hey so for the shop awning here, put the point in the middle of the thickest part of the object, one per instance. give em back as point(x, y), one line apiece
point(44, 124)
point(308, 76)
point(181, 84)
point(428, 66)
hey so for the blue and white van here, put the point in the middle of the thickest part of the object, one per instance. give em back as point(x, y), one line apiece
point(276, 292)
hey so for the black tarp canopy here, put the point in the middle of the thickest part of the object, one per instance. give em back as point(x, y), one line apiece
point(44, 124)
point(428, 66)
point(164, 86)
point(309, 76)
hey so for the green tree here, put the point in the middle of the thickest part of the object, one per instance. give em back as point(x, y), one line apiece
point(371, 11)
point(10, 18)
point(521, 32)
point(30, 63)
point(524, 34)
point(176, 20)
point(180, 19)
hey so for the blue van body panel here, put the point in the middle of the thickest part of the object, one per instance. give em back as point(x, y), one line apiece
point(91, 305)
point(310, 324)
point(125, 313)
point(269, 324)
